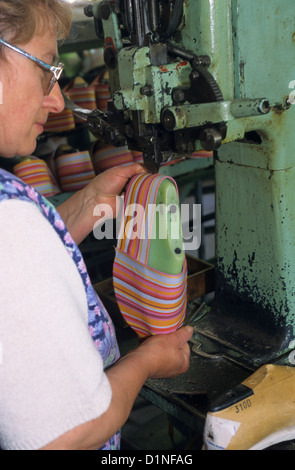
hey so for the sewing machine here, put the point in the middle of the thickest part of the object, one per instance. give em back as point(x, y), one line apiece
point(220, 76)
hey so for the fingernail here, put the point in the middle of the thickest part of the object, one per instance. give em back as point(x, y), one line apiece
point(190, 328)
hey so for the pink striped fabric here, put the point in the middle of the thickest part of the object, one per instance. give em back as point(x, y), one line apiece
point(83, 94)
point(202, 154)
point(151, 302)
point(137, 156)
point(102, 91)
point(74, 170)
point(37, 174)
point(106, 156)
point(60, 122)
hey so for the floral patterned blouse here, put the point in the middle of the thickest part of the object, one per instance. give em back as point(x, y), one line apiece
point(100, 325)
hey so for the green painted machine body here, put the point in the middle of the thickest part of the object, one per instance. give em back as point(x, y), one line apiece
point(251, 46)
point(255, 205)
point(252, 49)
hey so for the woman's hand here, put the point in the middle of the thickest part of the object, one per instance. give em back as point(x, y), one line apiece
point(106, 187)
point(166, 355)
point(96, 201)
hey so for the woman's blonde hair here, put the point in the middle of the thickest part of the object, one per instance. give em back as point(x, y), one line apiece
point(21, 20)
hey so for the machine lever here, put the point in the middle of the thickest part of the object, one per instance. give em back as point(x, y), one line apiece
point(82, 113)
point(96, 122)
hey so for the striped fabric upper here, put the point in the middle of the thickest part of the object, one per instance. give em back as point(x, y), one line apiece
point(82, 94)
point(151, 302)
point(60, 122)
point(74, 170)
point(36, 173)
point(108, 156)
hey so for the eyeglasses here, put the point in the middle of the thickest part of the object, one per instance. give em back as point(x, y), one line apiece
point(54, 71)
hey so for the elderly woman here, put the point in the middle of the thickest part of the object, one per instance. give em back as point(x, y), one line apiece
point(62, 384)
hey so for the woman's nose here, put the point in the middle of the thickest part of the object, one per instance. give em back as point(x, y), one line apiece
point(54, 102)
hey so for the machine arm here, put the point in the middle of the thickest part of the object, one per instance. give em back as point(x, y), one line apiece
point(165, 101)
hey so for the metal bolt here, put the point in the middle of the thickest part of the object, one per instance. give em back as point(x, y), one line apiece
point(155, 38)
point(147, 90)
point(178, 96)
point(88, 11)
point(194, 75)
point(201, 60)
point(264, 107)
point(105, 11)
point(210, 139)
point(168, 120)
